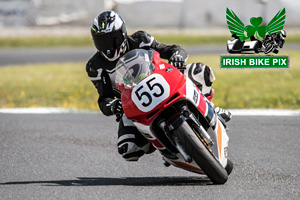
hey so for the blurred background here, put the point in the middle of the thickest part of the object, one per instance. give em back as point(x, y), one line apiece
point(44, 47)
point(195, 14)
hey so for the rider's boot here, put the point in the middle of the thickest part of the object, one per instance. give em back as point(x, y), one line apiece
point(131, 143)
point(133, 146)
point(225, 114)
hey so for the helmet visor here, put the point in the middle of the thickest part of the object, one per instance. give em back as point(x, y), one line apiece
point(107, 43)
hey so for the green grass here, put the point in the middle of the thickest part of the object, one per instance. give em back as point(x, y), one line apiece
point(184, 39)
point(47, 85)
point(73, 41)
point(67, 85)
point(256, 88)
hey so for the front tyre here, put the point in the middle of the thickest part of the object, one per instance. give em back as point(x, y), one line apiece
point(229, 166)
point(201, 155)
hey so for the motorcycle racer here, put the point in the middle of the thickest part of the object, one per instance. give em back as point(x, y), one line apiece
point(111, 41)
point(273, 41)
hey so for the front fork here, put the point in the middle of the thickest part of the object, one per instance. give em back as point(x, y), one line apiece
point(186, 115)
point(197, 126)
point(175, 141)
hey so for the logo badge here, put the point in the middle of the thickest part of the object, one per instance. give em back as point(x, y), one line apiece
point(255, 38)
point(263, 38)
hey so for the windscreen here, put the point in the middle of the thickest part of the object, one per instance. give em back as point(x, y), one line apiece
point(134, 66)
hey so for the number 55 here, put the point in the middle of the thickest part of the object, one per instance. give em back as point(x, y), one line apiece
point(148, 92)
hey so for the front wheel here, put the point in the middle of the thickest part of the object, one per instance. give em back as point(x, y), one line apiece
point(201, 155)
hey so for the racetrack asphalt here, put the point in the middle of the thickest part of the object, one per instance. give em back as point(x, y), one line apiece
point(74, 156)
point(24, 56)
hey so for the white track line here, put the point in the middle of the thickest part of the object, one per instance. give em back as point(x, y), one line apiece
point(40, 110)
point(264, 112)
point(235, 112)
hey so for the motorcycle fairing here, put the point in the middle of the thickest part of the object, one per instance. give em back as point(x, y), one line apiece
point(176, 87)
point(174, 84)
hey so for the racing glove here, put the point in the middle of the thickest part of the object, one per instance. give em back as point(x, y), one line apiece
point(177, 61)
point(115, 106)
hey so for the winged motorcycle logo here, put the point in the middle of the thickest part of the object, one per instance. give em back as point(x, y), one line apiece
point(263, 38)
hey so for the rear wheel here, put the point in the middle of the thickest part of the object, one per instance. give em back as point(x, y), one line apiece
point(200, 154)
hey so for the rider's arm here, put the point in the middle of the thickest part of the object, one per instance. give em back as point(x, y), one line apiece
point(167, 51)
point(141, 39)
point(101, 81)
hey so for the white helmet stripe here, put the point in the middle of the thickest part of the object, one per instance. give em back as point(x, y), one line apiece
point(96, 23)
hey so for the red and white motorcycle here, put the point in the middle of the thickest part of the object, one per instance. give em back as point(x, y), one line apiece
point(170, 111)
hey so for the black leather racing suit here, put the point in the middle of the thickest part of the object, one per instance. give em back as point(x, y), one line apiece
point(102, 72)
point(131, 143)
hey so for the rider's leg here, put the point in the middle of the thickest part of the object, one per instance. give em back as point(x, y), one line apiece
point(203, 77)
point(225, 114)
point(131, 143)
